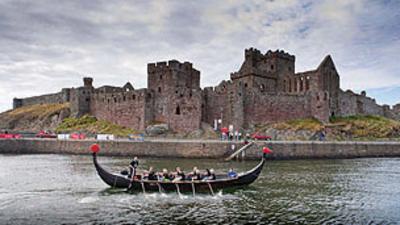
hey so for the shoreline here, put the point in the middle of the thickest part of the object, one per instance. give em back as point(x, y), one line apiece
point(198, 149)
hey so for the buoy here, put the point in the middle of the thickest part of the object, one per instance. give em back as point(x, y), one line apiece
point(95, 148)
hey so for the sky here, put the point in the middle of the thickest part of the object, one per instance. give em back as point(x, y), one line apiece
point(46, 45)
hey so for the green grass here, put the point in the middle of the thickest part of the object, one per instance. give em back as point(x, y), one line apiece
point(92, 125)
point(36, 111)
point(367, 127)
point(299, 124)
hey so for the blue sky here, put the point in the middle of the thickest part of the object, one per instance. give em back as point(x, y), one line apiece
point(48, 45)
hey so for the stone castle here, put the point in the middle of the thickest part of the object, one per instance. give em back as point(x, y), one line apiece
point(265, 89)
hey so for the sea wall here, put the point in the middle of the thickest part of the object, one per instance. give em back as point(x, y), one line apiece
point(204, 149)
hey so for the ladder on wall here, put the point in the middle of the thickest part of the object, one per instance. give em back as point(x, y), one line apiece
point(242, 149)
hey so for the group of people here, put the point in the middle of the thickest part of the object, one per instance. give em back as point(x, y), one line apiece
point(177, 175)
point(233, 136)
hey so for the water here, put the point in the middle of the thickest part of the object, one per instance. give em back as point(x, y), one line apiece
point(65, 189)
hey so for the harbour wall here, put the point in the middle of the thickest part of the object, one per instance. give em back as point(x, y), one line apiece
point(203, 148)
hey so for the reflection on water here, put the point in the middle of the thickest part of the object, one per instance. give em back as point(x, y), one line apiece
point(57, 189)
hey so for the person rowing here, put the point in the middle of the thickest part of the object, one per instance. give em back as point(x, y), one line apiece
point(164, 176)
point(150, 174)
point(210, 175)
point(179, 175)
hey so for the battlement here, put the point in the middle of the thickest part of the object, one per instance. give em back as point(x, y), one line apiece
point(253, 53)
point(171, 64)
point(280, 54)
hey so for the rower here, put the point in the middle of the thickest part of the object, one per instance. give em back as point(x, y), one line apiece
point(150, 174)
point(132, 167)
point(209, 175)
point(179, 174)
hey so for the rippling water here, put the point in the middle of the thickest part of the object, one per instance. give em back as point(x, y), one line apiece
point(64, 189)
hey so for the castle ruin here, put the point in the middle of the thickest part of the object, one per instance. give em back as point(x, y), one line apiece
point(265, 89)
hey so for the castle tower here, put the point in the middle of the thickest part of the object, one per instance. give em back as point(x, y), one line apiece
point(81, 98)
point(175, 93)
point(265, 72)
point(88, 82)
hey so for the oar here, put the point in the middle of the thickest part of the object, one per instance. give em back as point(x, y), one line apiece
point(159, 188)
point(212, 192)
point(144, 190)
point(177, 190)
point(194, 190)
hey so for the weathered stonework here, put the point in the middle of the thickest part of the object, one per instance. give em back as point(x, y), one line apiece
point(265, 89)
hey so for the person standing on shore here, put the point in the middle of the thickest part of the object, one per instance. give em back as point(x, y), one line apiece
point(133, 166)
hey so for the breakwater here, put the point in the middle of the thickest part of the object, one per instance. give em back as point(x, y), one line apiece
point(203, 148)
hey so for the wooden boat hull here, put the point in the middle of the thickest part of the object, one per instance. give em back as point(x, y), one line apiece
point(119, 181)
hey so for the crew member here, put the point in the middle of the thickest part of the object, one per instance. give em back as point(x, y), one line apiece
point(133, 166)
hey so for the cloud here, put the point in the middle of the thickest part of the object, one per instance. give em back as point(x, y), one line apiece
point(47, 45)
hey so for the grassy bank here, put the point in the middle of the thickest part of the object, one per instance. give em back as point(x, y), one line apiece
point(36, 111)
point(35, 117)
point(366, 127)
point(358, 127)
point(90, 124)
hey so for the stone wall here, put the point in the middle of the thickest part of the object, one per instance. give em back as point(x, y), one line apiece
point(204, 149)
point(56, 98)
point(262, 108)
point(359, 104)
point(125, 108)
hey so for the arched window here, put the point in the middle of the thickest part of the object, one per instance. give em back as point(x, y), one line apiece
point(178, 110)
point(159, 89)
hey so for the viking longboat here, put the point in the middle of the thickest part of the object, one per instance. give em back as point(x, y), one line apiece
point(116, 180)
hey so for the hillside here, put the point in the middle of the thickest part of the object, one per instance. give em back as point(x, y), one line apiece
point(339, 129)
point(34, 118)
point(89, 124)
